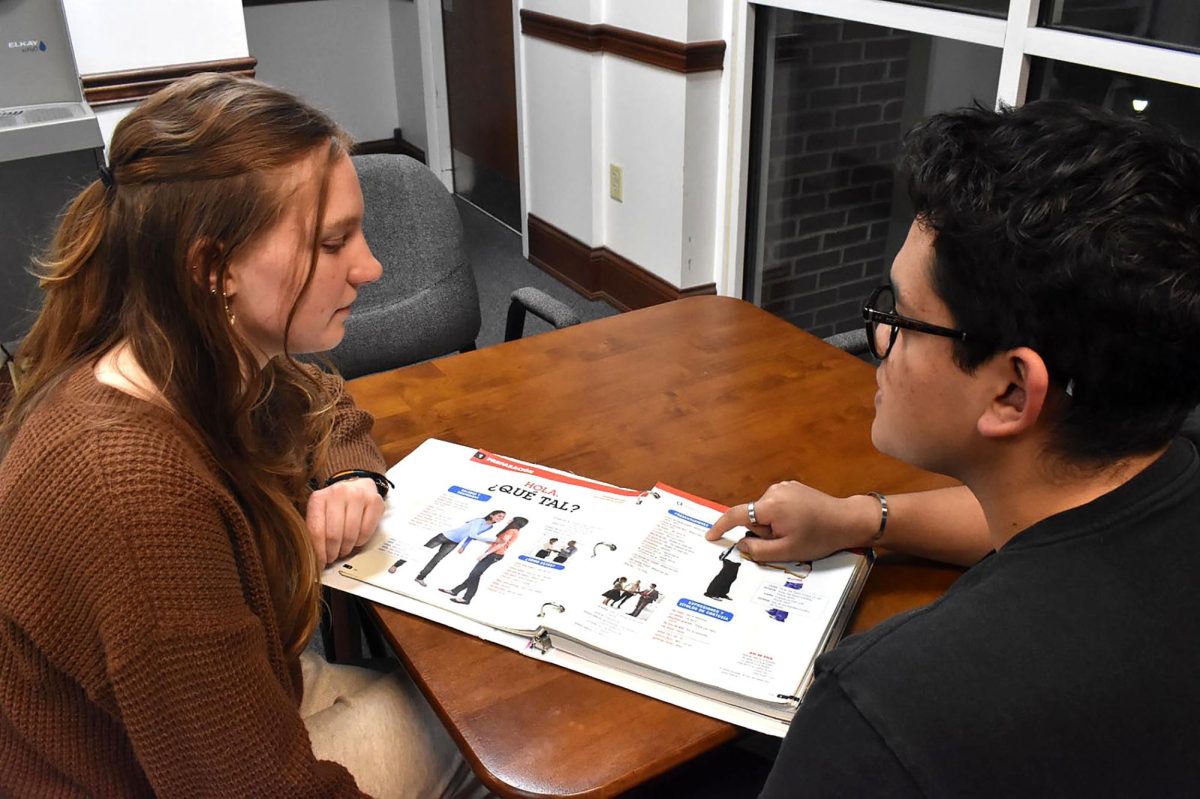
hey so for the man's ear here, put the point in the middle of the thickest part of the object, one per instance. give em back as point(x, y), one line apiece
point(1020, 383)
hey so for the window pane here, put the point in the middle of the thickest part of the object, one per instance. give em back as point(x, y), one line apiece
point(1171, 22)
point(988, 8)
point(832, 99)
point(1164, 103)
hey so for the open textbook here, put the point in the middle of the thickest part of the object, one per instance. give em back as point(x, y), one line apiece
point(613, 582)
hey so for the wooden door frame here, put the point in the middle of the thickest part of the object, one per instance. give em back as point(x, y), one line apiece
point(433, 84)
point(437, 108)
point(522, 178)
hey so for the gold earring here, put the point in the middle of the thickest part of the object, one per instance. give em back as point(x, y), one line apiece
point(228, 313)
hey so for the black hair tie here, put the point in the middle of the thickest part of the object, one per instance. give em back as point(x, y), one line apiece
point(106, 177)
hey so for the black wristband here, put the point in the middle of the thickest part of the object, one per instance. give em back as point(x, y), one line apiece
point(382, 484)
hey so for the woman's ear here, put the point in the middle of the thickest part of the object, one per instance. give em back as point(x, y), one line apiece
point(204, 260)
point(1020, 383)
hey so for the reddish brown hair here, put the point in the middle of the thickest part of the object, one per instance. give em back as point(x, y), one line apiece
point(196, 177)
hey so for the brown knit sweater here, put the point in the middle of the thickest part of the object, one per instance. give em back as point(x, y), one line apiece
point(139, 652)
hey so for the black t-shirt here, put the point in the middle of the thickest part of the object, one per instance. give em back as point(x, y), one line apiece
point(1066, 664)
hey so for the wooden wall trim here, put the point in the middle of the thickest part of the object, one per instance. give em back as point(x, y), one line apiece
point(129, 86)
point(397, 144)
point(676, 56)
point(560, 30)
point(598, 273)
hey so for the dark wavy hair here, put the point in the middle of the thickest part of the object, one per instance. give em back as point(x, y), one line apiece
point(1072, 231)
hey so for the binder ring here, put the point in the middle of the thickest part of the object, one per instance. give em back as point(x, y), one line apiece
point(554, 605)
point(611, 547)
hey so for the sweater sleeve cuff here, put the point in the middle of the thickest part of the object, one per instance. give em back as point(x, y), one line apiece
point(351, 445)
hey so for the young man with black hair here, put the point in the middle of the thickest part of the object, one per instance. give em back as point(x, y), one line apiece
point(1040, 342)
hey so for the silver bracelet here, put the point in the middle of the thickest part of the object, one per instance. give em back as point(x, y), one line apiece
point(883, 508)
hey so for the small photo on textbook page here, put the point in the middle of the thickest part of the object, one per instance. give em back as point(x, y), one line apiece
point(487, 536)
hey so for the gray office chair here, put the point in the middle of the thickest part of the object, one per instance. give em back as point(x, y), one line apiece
point(851, 341)
point(7, 373)
point(426, 304)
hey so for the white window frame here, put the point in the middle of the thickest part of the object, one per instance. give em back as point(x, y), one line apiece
point(1018, 37)
point(960, 25)
point(1115, 55)
point(438, 156)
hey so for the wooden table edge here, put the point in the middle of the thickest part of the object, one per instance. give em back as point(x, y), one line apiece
point(725, 733)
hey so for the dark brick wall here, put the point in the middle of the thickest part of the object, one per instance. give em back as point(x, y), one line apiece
point(839, 91)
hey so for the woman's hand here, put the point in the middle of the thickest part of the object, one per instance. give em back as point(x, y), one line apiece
point(342, 516)
point(796, 522)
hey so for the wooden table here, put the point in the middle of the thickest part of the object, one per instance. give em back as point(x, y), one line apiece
point(709, 394)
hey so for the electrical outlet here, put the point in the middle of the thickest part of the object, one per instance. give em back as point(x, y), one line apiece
point(616, 183)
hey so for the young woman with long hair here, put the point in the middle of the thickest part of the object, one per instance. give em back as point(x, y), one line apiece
point(172, 480)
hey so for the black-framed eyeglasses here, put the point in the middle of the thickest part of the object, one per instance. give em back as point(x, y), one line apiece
point(879, 310)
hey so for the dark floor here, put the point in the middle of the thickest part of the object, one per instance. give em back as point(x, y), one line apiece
point(500, 268)
point(736, 770)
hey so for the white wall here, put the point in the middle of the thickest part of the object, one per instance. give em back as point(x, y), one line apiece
point(135, 34)
point(357, 59)
point(406, 63)
point(335, 54)
point(584, 111)
point(589, 11)
point(562, 137)
point(702, 170)
point(664, 18)
point(706, 20)
point(681, 20)
point(132, 34)
point(644, 127)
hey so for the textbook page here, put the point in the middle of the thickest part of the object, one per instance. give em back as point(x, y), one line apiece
point(693, 609)
point(487, 537)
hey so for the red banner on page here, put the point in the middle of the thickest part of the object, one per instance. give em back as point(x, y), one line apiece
point(708, 503)
point(510, 465)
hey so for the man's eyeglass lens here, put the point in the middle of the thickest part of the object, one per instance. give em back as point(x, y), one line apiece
point(882, 300)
